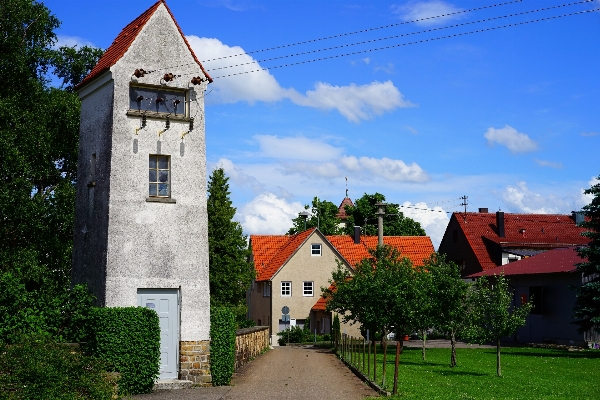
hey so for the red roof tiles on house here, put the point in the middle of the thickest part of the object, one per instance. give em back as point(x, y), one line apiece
point(271, 252)
point(543, 231)
point(123, 41)
point(342, 210)
point(552, 261)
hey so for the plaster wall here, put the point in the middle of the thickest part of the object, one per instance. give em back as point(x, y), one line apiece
point(259, 306)
point(302, 267)
point(154, 244)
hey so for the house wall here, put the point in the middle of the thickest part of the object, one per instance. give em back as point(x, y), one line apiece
point(259, 306)
point(301, 267)
point(554, 323)
point(459, 250)
point(136, 243)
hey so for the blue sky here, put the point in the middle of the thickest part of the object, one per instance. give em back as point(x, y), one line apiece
point(508, 117)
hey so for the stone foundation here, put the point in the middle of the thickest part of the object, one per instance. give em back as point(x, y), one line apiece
point(194, 360)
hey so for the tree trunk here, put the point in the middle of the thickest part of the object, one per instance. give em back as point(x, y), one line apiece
point(424, 335)
point(374, 359)
point(384, 340)
point(498, 367)
point(453, 353)
point(398, 345)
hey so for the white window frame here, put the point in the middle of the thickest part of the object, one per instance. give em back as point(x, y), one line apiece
point(315, 250)
point(156, 182)
point(308, 288)
point(286, 289)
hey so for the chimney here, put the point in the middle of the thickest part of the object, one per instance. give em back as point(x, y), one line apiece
point(500, 223)
point(578, 217)
point(357, 235)
point(483, 210)
point(380, 213)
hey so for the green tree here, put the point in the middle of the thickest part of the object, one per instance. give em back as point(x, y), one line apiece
point(363, 214)
point(72, 64)
point(39, 129)
point(587, 306)
point(379, 294)
point(230, 271)
point(424, 304)
point(323, 215)
point(449, 295)
point(493, 314)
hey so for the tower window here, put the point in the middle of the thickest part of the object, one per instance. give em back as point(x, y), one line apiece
point(159, 181)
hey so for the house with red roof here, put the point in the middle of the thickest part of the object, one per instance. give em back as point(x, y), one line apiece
point(292, 269)
point(546, 279)
point(480, 241)
point(140, 236)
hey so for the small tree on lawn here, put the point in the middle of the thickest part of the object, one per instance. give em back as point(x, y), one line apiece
point(587, 306)
point(494, 316)
point(449, 295)
point(230, 272)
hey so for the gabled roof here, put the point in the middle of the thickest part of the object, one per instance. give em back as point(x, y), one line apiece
point(271, 252)
point(522, 231)
point(342, 210)
point(552, 261)
point(123, 41)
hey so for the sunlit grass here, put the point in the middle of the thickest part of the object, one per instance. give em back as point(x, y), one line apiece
point(527, 373)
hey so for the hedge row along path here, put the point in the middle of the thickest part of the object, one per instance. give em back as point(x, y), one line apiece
point(293, 372)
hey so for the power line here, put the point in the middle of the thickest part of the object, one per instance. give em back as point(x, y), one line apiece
point(401, 35)
point(410, 43)
point(366, 30)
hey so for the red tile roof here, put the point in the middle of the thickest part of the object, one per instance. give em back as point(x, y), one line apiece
point(341, 210)
point(121, 44)
point(543, 231)
point(271, 252)
point(321, 304)
point(552, 261)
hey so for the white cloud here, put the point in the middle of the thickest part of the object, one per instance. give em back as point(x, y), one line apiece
point(296, 148)
point(433, 220)
point(355, 102)
point(585, 199)
point(589, 134)
point(387, 168)
point(508, 136)
point(268, 214)
point(551, 164)
point(238, 177)
point(419, 10)
point(522, 199)
point(325, 170)
point(70, 41)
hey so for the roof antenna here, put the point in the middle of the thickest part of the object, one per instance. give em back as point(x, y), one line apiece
point(346, 186)
point(464, 203)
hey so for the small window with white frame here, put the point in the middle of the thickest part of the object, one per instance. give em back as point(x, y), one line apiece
point(286, 289)
point(315, 250)
point(159, 180)
point(308, 288)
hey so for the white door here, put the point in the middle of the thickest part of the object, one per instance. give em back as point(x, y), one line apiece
point(166, 304)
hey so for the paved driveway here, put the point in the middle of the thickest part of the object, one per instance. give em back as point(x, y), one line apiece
point(283, 373)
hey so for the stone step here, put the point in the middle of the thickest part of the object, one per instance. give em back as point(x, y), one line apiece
point(171, 384)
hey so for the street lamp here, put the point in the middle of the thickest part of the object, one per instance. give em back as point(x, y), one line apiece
point(304, 215)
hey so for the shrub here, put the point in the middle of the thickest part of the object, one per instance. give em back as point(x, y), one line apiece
point(222, 345)
point(294, 334)
point(128, 340)
point(35, 367)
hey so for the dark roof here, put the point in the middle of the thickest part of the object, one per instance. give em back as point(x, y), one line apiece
point(123, 41)
point(522, 231)
point(549, 262)
point(342, 210)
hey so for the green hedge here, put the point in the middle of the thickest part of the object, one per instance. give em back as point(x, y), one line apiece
point(128, 340)
point(222, 345)
point(36, 367)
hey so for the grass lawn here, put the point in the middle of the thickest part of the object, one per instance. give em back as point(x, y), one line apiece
point(527, 373)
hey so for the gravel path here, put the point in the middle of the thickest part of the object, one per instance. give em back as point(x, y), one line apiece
point(282, 373)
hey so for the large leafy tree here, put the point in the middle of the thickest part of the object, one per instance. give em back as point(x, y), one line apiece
point(493, 314)
point(587, 306)
point(39, 128)
point(230, 270)
point(323, 215)
point(363, 214)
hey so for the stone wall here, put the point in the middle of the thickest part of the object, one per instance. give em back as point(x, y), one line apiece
point(249, 343)
point(195, 362)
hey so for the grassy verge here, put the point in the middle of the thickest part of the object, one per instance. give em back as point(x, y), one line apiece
point(528, 373)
